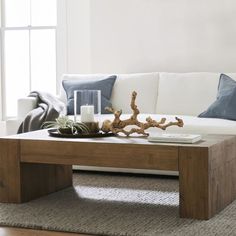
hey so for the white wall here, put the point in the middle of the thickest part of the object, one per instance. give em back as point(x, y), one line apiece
point(151, 35)
point(78, 36)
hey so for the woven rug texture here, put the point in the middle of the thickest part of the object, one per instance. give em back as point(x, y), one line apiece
point(108, 204)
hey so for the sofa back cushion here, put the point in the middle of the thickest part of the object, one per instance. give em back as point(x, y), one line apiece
point(186, 93)
point(145, 84)
point(232, 75)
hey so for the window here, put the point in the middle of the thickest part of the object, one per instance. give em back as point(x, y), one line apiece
point(28, 49)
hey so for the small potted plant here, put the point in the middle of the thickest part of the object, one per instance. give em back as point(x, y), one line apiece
point(66, 126)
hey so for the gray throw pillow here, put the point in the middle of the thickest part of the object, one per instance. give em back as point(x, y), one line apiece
point(104, 84)
point(225, 105)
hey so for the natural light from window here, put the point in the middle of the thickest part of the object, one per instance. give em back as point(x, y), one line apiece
point(29, 49)
point(16, 68)
point(129, 195)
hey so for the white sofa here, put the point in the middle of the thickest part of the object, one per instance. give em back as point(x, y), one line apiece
point(185, 95)
point(160, 94)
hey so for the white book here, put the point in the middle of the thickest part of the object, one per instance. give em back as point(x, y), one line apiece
point(174, 138)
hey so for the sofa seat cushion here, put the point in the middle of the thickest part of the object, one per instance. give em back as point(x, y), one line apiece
point(196, 125)
point(192, 124)
point(186, 93)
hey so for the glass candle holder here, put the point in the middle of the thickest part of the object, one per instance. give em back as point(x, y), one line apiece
point(87, 105)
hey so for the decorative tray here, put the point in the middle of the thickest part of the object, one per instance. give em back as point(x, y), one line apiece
point(55, 133)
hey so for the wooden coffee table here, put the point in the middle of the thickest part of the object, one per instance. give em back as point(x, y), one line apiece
point(34, 164)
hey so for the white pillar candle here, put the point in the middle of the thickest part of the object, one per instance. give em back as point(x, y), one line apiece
point(87, 113)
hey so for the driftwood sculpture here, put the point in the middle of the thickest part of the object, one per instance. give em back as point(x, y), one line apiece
point(118, 125)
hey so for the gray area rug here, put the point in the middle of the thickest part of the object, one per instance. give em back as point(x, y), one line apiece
point(106, 204)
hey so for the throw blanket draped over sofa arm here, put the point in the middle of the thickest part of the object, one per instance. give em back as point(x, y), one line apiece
point(48, 108)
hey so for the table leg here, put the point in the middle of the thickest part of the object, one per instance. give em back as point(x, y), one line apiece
point(207, 178)
point(21, 182)
point(193, 183)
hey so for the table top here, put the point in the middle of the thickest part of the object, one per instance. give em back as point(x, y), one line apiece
point(207, 140)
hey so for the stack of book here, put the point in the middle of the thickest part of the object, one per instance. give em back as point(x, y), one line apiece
point(174, 138)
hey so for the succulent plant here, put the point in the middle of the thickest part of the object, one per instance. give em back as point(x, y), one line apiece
point(65, 125)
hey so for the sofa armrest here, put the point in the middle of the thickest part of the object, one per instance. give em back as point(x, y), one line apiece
point(24, 106)
point(12, 126)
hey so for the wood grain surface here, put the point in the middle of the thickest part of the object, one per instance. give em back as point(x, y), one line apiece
point(21, 182)
point(35, 164)
point(10, 182)
point(100, 154)
point(193, 183)
point(7, 231)
point(207, 179)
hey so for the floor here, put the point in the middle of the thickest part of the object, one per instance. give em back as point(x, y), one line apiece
point(5, 231)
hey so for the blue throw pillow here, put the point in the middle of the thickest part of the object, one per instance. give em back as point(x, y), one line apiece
point(225, 105)
point(105, 85)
